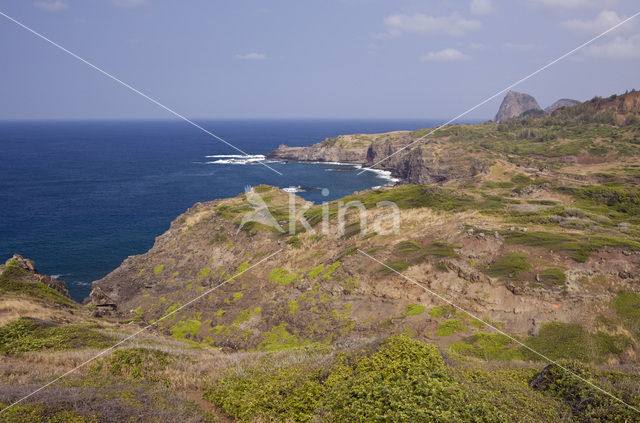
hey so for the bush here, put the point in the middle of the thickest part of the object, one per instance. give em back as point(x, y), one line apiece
point(399, 380)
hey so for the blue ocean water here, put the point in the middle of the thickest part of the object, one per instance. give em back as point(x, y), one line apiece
point(79, 197)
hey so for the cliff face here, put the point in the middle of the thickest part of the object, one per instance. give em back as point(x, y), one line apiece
point(515, 104)
point(563, 102)
point(428, 161)
point(319, 153)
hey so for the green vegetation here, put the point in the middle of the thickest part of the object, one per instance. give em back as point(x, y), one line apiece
point(295, 242)
point(293, 306)
point(315, 272)
point(587, 404)
point(158, 269)
point(627, 306)
point(402, 380)
point(442, 311)
point(204, 272)
point(230, 211)
point(282, 276)
point(552, 276)
point(218, 238)
point(440, 249)
point(278, 339)
point(28, 334)
point(391, 267)
point(328, 274)
point(414, 309)
point(509, 266)
point(416, 196)
point(260, 189)
point(488, 346)
point(136, 363)
point(560, 340)
point(350, 285)
point(412, 253)
point(617, 202)
point(41, 413)
point(186, 329)
point(450, 326)
point(579, 247)
point(12, 279)
point(554, 340)
point(245, 315)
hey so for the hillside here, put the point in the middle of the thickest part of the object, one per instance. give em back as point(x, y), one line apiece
point(532, 225)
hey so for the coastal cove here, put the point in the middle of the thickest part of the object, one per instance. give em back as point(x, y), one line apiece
point(98, 192)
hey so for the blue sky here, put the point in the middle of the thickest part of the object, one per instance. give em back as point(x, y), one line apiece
point(307, 59)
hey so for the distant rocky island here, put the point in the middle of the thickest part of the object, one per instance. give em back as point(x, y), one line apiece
point(516, 104)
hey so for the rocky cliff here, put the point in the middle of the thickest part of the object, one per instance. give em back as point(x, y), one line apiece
point(563, 102)
point(426, 162)
point(514, 104)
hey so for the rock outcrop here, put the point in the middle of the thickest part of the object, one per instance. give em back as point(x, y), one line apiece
point(563, 102)
point(426, 162)
point(515, 104)
point(31, 274)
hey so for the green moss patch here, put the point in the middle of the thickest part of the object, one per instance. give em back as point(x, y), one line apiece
point(282, 276)
point(414, 309)
point(186, 329)
point(450, 326)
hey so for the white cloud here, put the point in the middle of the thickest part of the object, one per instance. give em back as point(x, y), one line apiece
point(481, 7)
point(251, 56)
point(573, 4)
point(446, 55)
point(128, 3)
point(605, 20)
point(51, 5)
point(422, 24)
point(618, 48)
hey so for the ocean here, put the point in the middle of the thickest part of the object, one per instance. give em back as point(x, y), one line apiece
point(78, 197)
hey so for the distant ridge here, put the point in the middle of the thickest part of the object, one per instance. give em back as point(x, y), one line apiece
point(563, 102)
